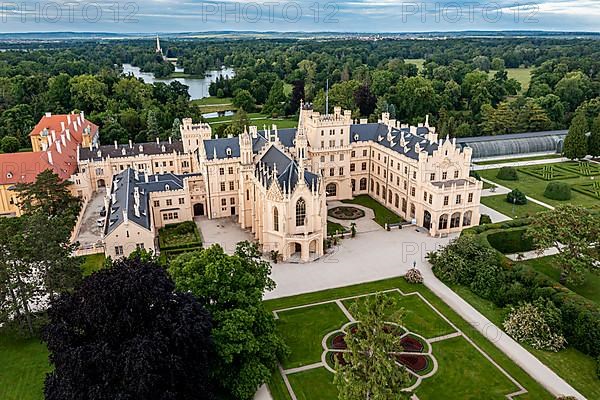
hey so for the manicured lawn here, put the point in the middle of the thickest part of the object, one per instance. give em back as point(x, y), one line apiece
point(303, 328)
point(92, 263)
point(313, 384)
point(23, 366)
point(512, 160)
point(259, 120)
point(576, 368)
point(590, 289)
point(383, 215)
point(521, 75)
point(481, 380)
point(534, 186)
point(334, 227)
point(211, 100)
point(500, 204)
point(464, 373)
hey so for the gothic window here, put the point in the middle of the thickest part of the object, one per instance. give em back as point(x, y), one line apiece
point(300, 212)
point(443, 222)
point(275, 219)
point(455, 220)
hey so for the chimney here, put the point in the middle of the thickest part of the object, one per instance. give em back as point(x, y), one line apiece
point(62, 126)
point(48, 114)
point(58, 147)
point(68, 119)
point(116, 145)
point(68, 132)
point(146, 178)
point(125, 219)
point(156, 177)
point(82, 116)
point(170, 140)
point(49, 153)
point(53, 135)
point(136, 175)
point(63, 139)
point(130, 144)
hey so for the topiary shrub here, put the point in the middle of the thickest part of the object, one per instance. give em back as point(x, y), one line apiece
point(537, 324)
point(485, 219)
point(507, 174)
point(558, 191)
point(413, 275)
point(516, 197)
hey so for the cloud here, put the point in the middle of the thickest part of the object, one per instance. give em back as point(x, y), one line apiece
point(297, 15)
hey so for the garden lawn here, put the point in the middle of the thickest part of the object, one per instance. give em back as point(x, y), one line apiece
point(416, 61)
point(550, 157)
point(92, 263)
point(483, 380)
point(590, 289)
point(334, 228)
point(259, 120)
point(535, 187)
point(314, 384)
point(521, 75)
point(211, 101)
point(303, 328)
point(475, 377)
point(23, 366)
point(500, 204)
point(383, 215)
point(578, 369)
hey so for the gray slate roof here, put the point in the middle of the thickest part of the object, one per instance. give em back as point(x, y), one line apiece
point(124, 150)
point(124, 190)
point(286, 171)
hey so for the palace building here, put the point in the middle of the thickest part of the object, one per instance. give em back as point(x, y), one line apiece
point(274, 182)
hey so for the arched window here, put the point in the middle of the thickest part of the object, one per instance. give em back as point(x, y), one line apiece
point(377, 188)
point(403, 205)
point(300, 212)
point(455, 220)
point(390, 196)
point(353, 184)
point(443, 222)
point(372, 185)
point(397, 200)
point(275, 219)
point(363, 184)
point(412, 211)
point(467, 218)
point(331, 189)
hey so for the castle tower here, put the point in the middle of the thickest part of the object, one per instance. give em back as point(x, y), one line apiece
point(245, 180)
point(192, 135)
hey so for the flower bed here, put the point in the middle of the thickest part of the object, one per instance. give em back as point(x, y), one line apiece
point(339, 342)
point(414, 362)
point(346, 213)
point(411, 344)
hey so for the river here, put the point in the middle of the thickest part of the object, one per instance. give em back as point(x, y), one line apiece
point(198, 87)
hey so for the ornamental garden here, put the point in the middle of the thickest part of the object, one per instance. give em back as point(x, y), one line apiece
point(439, 350)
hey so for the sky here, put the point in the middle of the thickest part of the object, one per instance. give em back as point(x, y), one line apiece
point(150, 16)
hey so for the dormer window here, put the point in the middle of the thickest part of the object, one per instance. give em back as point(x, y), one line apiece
point(167, 187)
point(9, 175)
point(356, 137)
point(141, 148)
point(123, 151)
point(228, 151)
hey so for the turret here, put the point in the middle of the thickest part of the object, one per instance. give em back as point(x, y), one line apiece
point(245, 147)
point(192, 135)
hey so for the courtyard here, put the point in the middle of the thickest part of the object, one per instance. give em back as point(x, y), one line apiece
point(441, 352)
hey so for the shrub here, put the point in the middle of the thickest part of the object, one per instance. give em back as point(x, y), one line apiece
point(413, 275)
point(485, 219)
point(558, 191)
point(510, 241)
point(184, 228)
point(516, 197)
point(536, 324)
point(475, 175)
point(507, 174)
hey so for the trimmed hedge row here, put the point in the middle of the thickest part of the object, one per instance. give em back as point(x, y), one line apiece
point(510, 241)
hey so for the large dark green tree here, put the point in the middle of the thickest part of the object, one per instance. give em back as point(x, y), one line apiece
point(575, 146)
point(231, 287)
point(594, 140)
point(125, 333)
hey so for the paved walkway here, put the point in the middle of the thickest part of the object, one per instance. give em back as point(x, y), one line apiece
point(530, 255)
point(501, 164)
point(496, 216)
point(224, 231)
point(89, 231)
point(503, 189)
point(379, 255)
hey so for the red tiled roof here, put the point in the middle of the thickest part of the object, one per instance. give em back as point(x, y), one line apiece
point(60, 156)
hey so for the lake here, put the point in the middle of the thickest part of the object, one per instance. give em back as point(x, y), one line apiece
point(198, 87)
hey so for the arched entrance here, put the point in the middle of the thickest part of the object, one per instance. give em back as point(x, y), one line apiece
point(198, 209)
point(100, 183)
point(426, 220)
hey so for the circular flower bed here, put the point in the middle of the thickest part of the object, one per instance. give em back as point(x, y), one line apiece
point(346, 213)
point(411, 344)
point(338, 342)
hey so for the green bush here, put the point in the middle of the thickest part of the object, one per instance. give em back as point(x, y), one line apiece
point(507, 174)
point(484, 219)
point(475, 175)
point(185, 227)
point(516, 197)
point(558, 191)
point(511, 241)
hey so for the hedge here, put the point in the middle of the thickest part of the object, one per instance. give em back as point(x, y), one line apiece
point(558, 191)
point(507, 174)
point(510, 241)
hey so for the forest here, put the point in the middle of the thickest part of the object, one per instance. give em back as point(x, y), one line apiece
point(464, 84)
